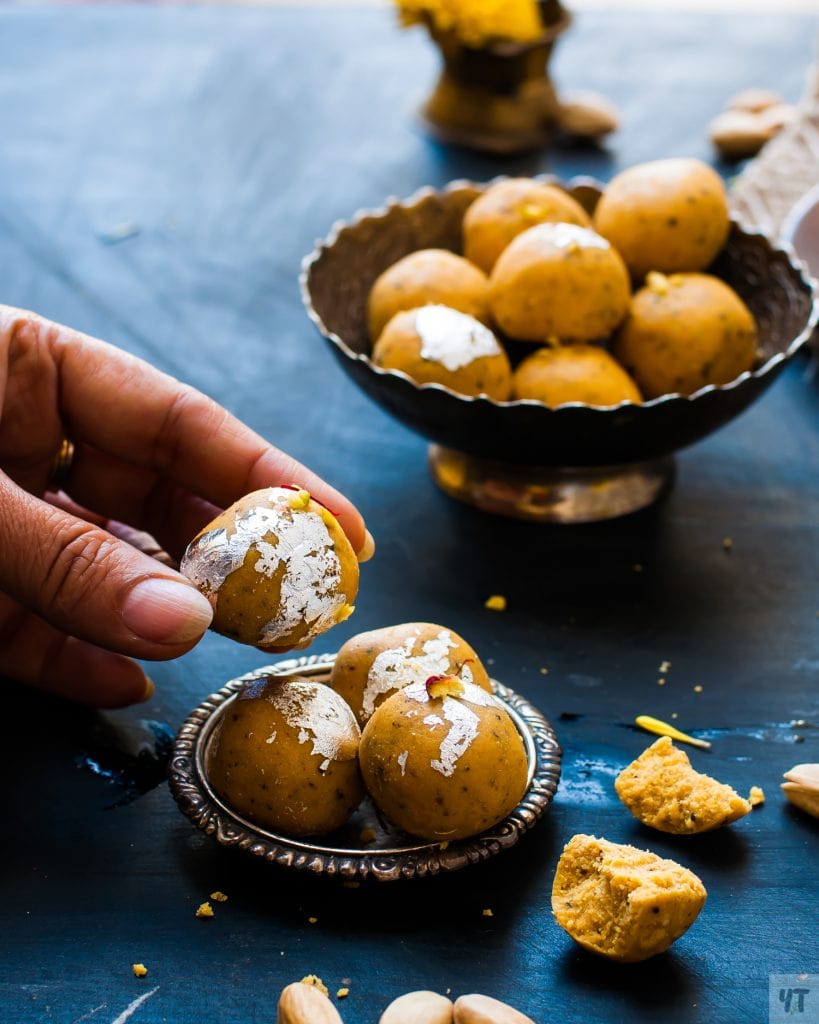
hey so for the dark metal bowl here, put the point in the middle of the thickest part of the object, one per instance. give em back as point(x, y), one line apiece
point(337, 276)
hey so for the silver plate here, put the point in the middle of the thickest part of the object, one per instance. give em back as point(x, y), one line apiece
point(393, 854)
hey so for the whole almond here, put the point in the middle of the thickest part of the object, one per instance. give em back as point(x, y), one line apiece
point(587, 115)
point(802, 787)
point(754, 100)
point(476, 1009)
point(739, 133)
point(300, 1003)
point(805, 799)
point(418, 1008)
point(779, 116)
point(804, 775)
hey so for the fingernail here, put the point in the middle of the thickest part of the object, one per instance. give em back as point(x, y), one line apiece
point(149, 690)
point(368, 548)
point(166, 612)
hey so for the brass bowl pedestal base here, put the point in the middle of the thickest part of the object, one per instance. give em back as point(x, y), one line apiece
point(497, 98)
point(549, 494)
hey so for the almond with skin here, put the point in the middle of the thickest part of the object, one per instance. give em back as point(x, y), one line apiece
point(739, 133)
point(418, 1008)
point(587, 115)
point(754, 100)
point(778, 117)
point(301, 1003)
point(477, 1009)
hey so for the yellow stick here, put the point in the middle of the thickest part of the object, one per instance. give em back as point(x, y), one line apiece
point(664, 729)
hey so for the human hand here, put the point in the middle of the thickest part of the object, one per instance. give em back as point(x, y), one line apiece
point(76, 602)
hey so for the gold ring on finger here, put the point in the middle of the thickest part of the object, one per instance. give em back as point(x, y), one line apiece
point(61, 466)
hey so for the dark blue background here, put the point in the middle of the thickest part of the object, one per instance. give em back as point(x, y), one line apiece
point(162, 171)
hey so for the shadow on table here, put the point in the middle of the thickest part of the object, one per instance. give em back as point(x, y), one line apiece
point(589, 566)
point(566, 158)
point(662, 981)
point(724, 849)
point(508, 885)
point(611, 578)
point(127, 750)
point(803, 820)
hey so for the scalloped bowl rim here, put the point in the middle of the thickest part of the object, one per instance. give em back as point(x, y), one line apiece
point(580, 181)
point(798, 213)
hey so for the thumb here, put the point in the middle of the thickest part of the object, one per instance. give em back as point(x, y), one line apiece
point(87, 583)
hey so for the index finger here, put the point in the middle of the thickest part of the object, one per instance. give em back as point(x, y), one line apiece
point(122, 405)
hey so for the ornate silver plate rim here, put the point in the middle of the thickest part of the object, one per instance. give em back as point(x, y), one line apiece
point(197, 800)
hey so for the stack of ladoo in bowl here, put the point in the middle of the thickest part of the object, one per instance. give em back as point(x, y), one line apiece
point(609, 327)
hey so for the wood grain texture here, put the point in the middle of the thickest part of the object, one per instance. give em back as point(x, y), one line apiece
point(162, 171)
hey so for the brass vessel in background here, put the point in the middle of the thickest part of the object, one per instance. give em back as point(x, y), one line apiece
point(497, 98)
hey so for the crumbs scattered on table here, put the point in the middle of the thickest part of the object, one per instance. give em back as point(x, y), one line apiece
point(544, 671)
point(756, 798)
point(665, 668)
point(727, 544)
point(698, 688)
point(487, 912)
point(674, 714)
point(801, 723)
point(661, 682)
point(660, 728)
point(218, 897)
point(495, 603)
point(204, 910)
point(342, 993)
point(316, 982)
point(140, 970)
point(312, 920)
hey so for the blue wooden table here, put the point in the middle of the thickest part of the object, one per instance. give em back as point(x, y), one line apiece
point(162, 171)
